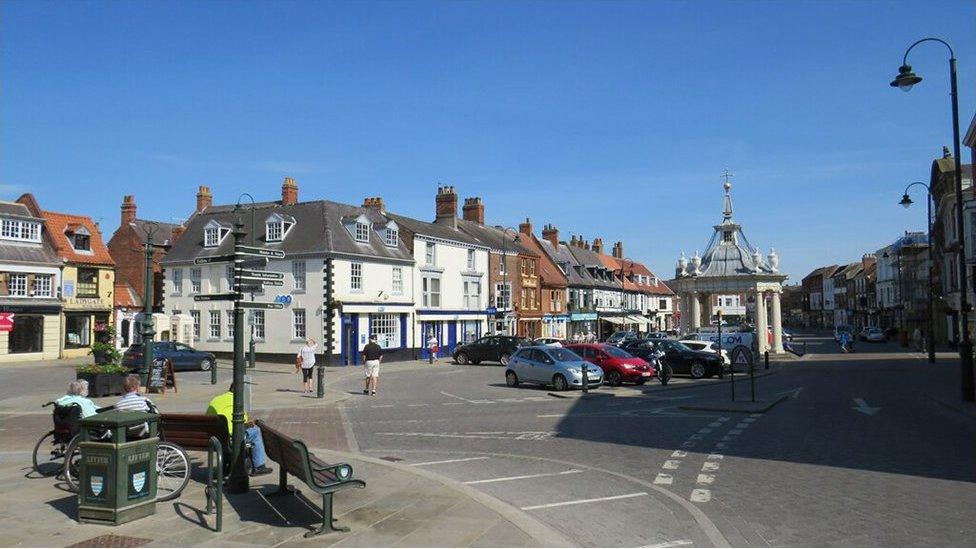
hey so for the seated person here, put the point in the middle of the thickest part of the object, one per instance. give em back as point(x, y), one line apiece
point(78, 394)
point(223, 405)
point(133, 401)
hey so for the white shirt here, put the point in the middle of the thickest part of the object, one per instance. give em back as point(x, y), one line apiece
point(308, 355)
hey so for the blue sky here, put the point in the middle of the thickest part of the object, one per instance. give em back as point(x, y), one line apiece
point(609, 119)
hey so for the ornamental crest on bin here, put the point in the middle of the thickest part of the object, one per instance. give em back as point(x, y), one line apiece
point(139, 480)
point(97, 483)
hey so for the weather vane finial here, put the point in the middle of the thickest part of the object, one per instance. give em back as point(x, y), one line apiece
point(727, 210)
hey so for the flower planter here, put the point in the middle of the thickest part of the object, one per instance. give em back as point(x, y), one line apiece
point(100, 385)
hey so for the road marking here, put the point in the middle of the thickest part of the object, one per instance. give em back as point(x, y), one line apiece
point(757, 415)
point(579, 501)
point(719, 445)
point(448, 461)
point(701, 495)
point(382, 406)
point(417, 405)
point(863, 407)
point(715, 456)
point(671, 464)
point(457, 397)
point(679, 454)
point(676, 543)
point(451, 403)
point(689, 444)
point(706, 479)
point(517, 435)
point(722, 419)
point(726, 438)
point(704, 431)
point(695, 437)
point(735, 431)
point(748, 420)
point(521, 477)
point(793, 393)
point(741, 425)
point(715, 424)
point(663, 478)
point(710, 466)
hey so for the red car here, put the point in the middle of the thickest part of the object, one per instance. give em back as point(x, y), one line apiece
point(618, 365)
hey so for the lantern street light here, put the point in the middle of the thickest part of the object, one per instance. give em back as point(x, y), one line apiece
point(906, 201)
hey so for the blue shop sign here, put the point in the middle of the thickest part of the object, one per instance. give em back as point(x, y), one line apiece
point(582, 316)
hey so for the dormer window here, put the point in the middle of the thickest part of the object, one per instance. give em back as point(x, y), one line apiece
point(214, 233)
point(362, 232)
point(391, 234)
point(79, 237)
point(277, 226)
point(20, 230)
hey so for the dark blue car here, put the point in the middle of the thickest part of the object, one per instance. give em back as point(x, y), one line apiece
point(183, 356)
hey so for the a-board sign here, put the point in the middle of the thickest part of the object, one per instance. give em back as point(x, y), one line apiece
point(161, 376)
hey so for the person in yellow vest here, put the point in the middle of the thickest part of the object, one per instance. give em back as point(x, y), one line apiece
point(223, 405)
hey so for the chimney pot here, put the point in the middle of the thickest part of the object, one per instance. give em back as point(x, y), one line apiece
point(598, 245)
point(526, 227)
point(551, 234)
point(204, 198)
point(445, 206)
point(128, 209)
point(289, 192)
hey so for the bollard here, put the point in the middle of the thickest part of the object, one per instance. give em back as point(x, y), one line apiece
point(752, 378)
point(251, 358)
point(766, 359)
point(213, 373)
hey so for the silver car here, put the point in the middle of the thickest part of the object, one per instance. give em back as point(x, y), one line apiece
point(560, 368)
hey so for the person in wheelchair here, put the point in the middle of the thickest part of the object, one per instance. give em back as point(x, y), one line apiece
point(223, 405)
point(78, 395)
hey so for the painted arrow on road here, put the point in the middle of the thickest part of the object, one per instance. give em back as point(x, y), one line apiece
point(863, 407)
point(793, 393)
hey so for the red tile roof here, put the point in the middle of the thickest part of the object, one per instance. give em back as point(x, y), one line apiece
point(632, 268)
point(125, 296)
point(550, 272)
point(57, 223)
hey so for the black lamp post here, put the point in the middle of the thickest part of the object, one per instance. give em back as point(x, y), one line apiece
point(905, 80)
point(906, 201)
point(148, 326)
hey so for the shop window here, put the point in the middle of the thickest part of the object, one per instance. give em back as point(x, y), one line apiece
point(77, 330)
point(386, 328)
point(87, 282)
point(27, 335)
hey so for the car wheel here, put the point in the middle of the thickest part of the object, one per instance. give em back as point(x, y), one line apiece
point(613, 378)
point(461, 358)
point(206, 364)
point(511, 379)
point(559, 382)
point(697, 370)
point(504, 359)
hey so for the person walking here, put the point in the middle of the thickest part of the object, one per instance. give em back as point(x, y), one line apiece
point(305, 362)
point(432, 347)
point(844, 338)
point(917, 339)
point(372, 356)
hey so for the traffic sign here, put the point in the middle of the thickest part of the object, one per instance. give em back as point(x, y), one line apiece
point(253, 263)
point(214, 259)
point(258, 252)
point(217, 297)
point(741, 356)
point(258, 275)
point(260, 305)
point(251, 288)
point(259, 280)
point(6, 322)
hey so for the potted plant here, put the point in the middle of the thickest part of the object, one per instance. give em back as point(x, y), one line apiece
point(103, 379)
point(103, 349)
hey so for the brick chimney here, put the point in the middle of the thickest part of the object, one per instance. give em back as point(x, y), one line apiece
point(474, 210)
point(128, 209)
point(204, 198)
point(526, 227)
point(289, 192)
point(618, 250)
point(572, 240)
point(598, 245)
point(585, 244)
point(445, 206)
point(374, 203)
point(177, 233)
point(551, 234)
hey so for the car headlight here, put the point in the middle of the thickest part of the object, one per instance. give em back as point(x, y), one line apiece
point(574, 371)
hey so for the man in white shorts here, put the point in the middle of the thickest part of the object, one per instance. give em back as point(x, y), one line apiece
point(372, 355)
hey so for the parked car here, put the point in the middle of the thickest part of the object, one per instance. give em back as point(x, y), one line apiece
point(618, 365)
point(681, 358)
point(843, 328)
point(558, 367)
point(873, 334)
point(709, 346)
point(620, 336)
point(494, 348)
point(183, 356)
point(548, 341)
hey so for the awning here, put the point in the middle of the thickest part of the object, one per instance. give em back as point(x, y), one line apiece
point(615, 320)
point(633, 319)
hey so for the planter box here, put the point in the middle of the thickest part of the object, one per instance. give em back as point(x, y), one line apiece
point(100, 385)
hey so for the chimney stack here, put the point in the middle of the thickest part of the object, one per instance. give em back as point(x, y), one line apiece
point(128, 209)
point(177, 233)
point(551, 234)
point(585, 244)
point(474, 210)
point(618, 250)
point(526, 227)
point(204, 198)
point(374, 203)
point(445, 206)
point(289, 192)
point(598, 245)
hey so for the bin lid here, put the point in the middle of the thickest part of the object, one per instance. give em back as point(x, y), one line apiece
point(118, 418)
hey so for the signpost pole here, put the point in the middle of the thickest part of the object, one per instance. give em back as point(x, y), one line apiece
point(328, 345)
point(237, 482)
point(148, 327)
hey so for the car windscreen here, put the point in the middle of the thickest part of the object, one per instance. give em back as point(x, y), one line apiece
point(678, 346)
point(563, 355)
point(617, 352)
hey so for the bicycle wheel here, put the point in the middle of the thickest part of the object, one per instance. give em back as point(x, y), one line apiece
point(172, 471)
point(72, 463)
point(48, 456)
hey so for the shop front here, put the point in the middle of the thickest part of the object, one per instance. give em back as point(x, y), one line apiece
point(555, 326)
point(82, 329)
point(581, 326)
point(450, 328)
point(389, 323)
point(35, 332)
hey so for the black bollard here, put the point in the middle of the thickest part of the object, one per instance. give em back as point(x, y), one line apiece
point(766, 359)
point(752, 378)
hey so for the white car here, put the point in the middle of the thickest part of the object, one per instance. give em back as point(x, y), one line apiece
point(710, 346)
point(548, 341)
point(873, 335)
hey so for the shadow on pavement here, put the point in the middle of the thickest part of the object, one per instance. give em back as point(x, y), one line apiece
point(67, 505)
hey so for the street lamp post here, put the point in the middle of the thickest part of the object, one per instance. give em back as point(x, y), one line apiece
point(905, 80)
point(906, 201)
point(148, 326)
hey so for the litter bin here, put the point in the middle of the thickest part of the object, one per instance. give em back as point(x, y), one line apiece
point(117, 470)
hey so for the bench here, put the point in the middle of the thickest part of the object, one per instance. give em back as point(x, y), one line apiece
point(193, 431)
point(294, 458)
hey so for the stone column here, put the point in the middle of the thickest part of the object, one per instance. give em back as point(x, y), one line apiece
point(777, 324)
point(695, 311)
point(761, 337)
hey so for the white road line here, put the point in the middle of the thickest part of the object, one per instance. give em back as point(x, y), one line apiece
point(416, 405)
point(675, 543)
point(748, 420)
point(722, 419)
point(742, 424)
point(705, 479)
point(671, 464)
point(579, 501)
point(448, 461)
point(735, 431)
point(451, 403)
point(701, 495)
point(715, 424)
point(715, 456)
point(679, 454)
point(704, 431)
point(521, 477)
point(382, 406)
point(457, 397)
point(710, 466)
point(726, 438)
point(663, 478)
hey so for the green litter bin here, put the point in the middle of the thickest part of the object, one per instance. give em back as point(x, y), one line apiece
point(117, 470)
